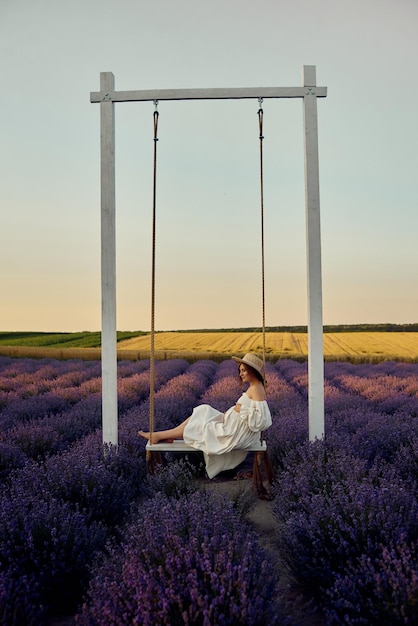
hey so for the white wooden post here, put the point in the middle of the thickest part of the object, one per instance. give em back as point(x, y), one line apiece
point(313, 249)
point(108, 259)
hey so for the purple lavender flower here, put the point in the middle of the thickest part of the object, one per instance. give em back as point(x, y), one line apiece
point(48, 545)
point(186, 561)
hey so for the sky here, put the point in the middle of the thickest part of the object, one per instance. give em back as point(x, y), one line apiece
point(208, 250)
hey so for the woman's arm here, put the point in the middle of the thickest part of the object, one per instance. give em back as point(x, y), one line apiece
point(257, 416)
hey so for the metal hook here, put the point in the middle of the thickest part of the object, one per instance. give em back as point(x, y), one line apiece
point(260, 101)
point(155, 104)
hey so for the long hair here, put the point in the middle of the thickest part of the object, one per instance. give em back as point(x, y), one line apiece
point(256, 373)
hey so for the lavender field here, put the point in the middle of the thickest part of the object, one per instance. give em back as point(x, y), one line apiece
point(90, 535)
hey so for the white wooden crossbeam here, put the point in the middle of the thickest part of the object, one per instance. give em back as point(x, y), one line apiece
point(179, 445)
point(206, 94)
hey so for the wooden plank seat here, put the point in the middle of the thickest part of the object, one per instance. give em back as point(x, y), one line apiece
point(178, 445)
point(154, 458)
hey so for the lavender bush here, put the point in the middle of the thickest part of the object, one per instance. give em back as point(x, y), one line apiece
point(11, 457)
point(288, 407)
point(386, 591)
point(173, 481)
point(45, 549)
point(100, 484)
point(200, 564)
point(340, 514)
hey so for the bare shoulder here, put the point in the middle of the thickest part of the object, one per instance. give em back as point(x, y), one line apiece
point(256, 392)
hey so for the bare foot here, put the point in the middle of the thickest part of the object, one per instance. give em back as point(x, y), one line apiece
point(155, 437)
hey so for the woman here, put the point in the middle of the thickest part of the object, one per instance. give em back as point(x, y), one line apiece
point(224, 437)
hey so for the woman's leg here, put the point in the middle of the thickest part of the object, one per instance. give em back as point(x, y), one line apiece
point(166, 435)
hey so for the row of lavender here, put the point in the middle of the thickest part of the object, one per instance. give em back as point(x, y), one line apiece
point(347, 507)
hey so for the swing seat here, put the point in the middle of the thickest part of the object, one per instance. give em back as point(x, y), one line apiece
point(154, 458)
point(179, 445)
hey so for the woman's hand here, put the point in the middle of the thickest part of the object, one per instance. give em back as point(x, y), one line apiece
point(237, 407)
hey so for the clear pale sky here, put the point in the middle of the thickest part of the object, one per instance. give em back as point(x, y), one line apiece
point(208, 202)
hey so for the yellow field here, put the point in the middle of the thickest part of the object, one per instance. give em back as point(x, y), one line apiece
point(337, 346)
point(350, 346)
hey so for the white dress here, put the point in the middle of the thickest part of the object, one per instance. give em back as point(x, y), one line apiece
point(224, 438)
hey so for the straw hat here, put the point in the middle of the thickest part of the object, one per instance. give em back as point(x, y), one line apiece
point(252, 360)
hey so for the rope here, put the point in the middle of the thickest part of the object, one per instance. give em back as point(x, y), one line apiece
point(152, 350)
point(263, 302)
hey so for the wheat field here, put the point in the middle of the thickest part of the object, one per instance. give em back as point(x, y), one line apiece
point(337, 346)
point(357, 346)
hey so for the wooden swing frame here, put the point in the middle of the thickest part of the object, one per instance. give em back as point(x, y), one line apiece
point(107, 97)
